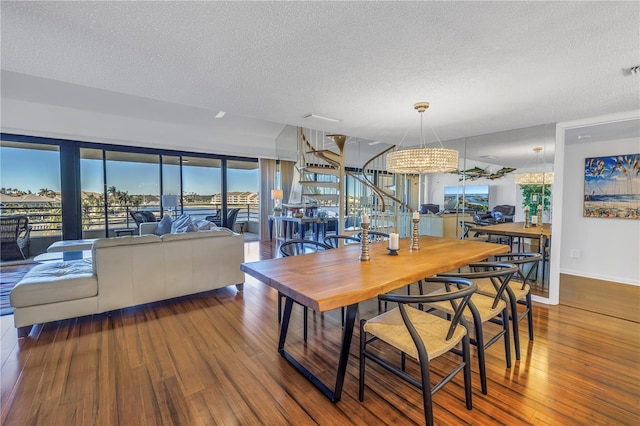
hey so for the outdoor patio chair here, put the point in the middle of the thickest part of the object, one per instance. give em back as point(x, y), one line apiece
point(15, 234)
point(143, 216)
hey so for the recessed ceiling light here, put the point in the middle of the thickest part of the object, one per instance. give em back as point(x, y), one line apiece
point(489, 157)
point(374, 143)
point(320, 117)
point(584, 136)
point(221, 114)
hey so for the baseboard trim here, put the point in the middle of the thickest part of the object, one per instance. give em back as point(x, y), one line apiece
point(605, 297)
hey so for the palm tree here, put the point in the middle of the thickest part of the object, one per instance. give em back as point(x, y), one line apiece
point(113, 192)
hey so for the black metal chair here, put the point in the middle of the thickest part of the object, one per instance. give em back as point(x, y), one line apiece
point(466, 227)
point(295, 248)
point(518, 290)
point(215, 218)
point(375, 236)
point(422, 336)
point(334, 240)
point(143, 216)
point(484, 309)
point(15, 237)
point(232, 215)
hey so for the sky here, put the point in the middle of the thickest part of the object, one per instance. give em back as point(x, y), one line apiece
point(32, 169)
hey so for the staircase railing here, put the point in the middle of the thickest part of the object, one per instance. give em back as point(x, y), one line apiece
point(385, 209)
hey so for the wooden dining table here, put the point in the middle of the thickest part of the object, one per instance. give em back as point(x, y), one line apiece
point(336, 278)
point(518, 230)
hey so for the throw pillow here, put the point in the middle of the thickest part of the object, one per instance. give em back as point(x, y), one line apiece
point(164, 226)
point(202, 224)
point(182, 224)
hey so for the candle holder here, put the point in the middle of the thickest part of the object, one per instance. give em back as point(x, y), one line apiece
point(526, 220)
point(415, 238)
point(539, 224)
point(392, 252)
point(364, 243)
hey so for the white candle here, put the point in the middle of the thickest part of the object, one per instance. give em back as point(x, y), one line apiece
point(416, 215)
point(365, 218)
point(394, 241)
point(534, 219)
point(527, 208)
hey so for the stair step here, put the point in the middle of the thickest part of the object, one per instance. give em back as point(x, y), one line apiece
point(327, 153)
point(320, 184)
point(321, 170)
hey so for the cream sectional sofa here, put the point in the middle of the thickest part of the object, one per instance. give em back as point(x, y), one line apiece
point(128, 271)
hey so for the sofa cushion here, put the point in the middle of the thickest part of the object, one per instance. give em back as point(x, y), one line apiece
point(164, 226)
point(124, 241)
point(183, 224)
point(217, 232)
point(53, 282)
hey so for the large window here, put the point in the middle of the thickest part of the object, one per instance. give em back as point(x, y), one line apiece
point(171, 184)
point(133, 183)
point(102, 184)
point(30, 180)
point(242, 182)
point(201, 186)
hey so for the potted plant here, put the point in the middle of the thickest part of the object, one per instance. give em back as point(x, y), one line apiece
point(277, 210)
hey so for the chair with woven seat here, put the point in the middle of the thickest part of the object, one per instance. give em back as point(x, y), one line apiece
point(518, 291)
point(334, 240)
point(482, 309)
point(295, 248)
point(15, 237)
point(466, 227)
point(422, 336)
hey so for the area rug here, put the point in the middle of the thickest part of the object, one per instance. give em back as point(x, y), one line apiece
point(9, 276)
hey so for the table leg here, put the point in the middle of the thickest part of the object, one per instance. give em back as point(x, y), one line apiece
point(301, 230)
point(347, 334)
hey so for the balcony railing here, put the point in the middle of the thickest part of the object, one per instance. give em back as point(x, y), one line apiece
point(47, 221)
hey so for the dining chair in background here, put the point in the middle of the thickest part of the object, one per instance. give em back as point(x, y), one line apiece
point(482, 309)
point(335, 240)
point(295, 248)
point(518, 291)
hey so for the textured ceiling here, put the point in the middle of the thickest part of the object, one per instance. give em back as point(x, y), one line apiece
point(485, 67)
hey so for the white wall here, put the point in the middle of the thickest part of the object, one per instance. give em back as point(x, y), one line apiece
point(609, 249)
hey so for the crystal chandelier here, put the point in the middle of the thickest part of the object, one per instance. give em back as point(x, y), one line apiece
point(535, 178)
point(422, 160)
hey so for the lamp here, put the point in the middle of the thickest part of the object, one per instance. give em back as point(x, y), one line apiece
point(423, 159)
point(535, 178)
point(276, 195)
point(170, 202)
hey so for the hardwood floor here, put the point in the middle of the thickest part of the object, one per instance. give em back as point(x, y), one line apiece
point(211, 359)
